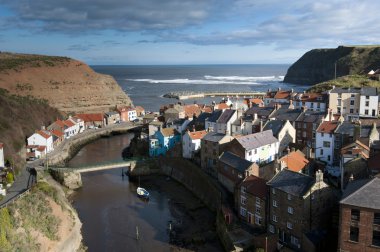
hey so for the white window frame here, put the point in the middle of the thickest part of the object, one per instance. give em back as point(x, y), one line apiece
point(274, 203)
point(289, 225)
point(243, 211)
point(274, 218)
point(290, 210)
point(271, 228)
point(243, 200)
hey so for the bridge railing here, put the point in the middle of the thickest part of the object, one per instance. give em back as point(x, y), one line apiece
point(96, 165)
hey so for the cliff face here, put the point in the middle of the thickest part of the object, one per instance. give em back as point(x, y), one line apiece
point(318, 65)
point(68, 85)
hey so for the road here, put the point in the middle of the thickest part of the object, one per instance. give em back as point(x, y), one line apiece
point(27, 176)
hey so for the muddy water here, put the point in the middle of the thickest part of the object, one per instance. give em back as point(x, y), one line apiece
point(109, 208)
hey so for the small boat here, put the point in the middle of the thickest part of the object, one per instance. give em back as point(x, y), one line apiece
point(141, 192)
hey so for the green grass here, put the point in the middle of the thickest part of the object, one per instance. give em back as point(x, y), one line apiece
point(345, 81)
point(17, 61)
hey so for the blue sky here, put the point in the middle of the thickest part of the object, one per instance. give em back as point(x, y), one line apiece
point(185, 31)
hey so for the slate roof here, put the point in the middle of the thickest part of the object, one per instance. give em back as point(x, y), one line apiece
point(111, 113)
point(226, 116)
point(215, 115)
point(178, 122)
point(368, 91)
point(202, 117)
point(171, 111)
point(213, 137)
point(362, 193)
point(284, 114)
point(256, 140)
point(310, 117)
point(346, 128)
point(260, 111)
point(255, 186)
point(345, 90)
point(235, 161)
point(294, 183)
point(275, 126)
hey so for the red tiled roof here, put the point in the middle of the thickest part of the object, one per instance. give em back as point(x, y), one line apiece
point(327, 127)
point(282, 94)
point(69, 123)
point(222, 106)
point(44, 134)
point(60, 123)
point(197, 134)
point(91, 117)
point(139, 109)
point(190, 110)
point(57, 133)
point(295, 161)
point(41, 148)
point(255, 186)
point(125, 109)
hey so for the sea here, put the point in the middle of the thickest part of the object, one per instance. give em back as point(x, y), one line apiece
point(146, 85)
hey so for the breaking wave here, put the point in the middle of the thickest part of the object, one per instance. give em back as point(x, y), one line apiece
point(216, 80)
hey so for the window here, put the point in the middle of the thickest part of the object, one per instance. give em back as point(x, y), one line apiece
point(304, 134)
point(258, 210)
point(290, 210)
point(376, 218)
point(274, 203)
point(322, 134)
point(304, 125)
point(271, 229)
point(258, 220)
point(326, 144)
point(289, 225)
point(273, 191)
point(243, 211)
point(243, 189)
point(339, 95)
point(339, 102)
point(274, 218)
point(258, 201)
point(352, 102)
point(243, 200)
point(240, 176)
point(321, 152)
point(289, 197)
point(366, 111)
point(338, 110)
point(352, 96)
point(367, 103)
point(351, 111)
point(249, 153)
point(376, 238)
point(354, 234)
point(373, 112)
point(255, 151)
point(328, 158)
point(355, 214)
point(367, 97)
point(294, 240)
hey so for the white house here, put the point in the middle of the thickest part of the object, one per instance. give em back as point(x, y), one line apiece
point(324, 141)
point(210, 122)
point(42, 138)
point(69, 127)
point(283, 131)
point(2, 164)
point(312, 101)
point(191, 142)
point(223, 124)
point(369, 103)
point(261, 147)
point(79, 124)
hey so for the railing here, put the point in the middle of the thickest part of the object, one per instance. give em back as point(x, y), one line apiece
point(18, 196)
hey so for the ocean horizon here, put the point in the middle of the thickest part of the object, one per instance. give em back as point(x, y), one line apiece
point(146, 84)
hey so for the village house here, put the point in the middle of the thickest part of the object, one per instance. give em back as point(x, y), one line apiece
point(112, 117)
point(191, 111)
point(92, 120)
point(242, 126)
point(127, 113)
point(261, 113)
point(299, 204)
point(210, 122)
point(359, 224)
point(354, 161)
point(191, 143)
point(312, 101)
point(261, 147)
point(286, 114)
point(232, 169)
point(162, 141)
point(42, 138)
point(279, 96)
point(213, 144)
point(223, 124)
point(306, 125)
point(295, 161)
point(325, 140)
point(149, 117)
point(154, 126)
point(353, 103)
point(58, 137)
point(35, 151)
point(179, 124)
point(2, 164)
point(283, 131)
point(251, 201)
point(67, 127)
point(79, 123)
point(140, 111)
point(254, 102)
point(199, 122)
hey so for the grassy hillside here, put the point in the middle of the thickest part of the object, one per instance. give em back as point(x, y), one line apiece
point(19, 118)
point(319, 65)
point(345, 81)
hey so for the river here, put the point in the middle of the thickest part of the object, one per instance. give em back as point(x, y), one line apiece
point(110, 210)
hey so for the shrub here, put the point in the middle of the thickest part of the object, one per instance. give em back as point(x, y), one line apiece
point(10, 178)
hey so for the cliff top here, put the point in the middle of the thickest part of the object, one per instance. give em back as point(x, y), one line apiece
point(14, 61)
point(345, 81)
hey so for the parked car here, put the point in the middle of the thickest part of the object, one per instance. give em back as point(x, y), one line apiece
point(31, 158)
point(136, 120)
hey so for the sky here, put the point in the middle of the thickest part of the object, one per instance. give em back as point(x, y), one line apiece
point(151, 32)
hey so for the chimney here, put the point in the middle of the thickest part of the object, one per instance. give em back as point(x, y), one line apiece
point(292, 90)
point(304, 108)
point(254, 116)
point(291, 106)
point(319, 176)
point(193, 128)
point(330, 115)
point(279, 89)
